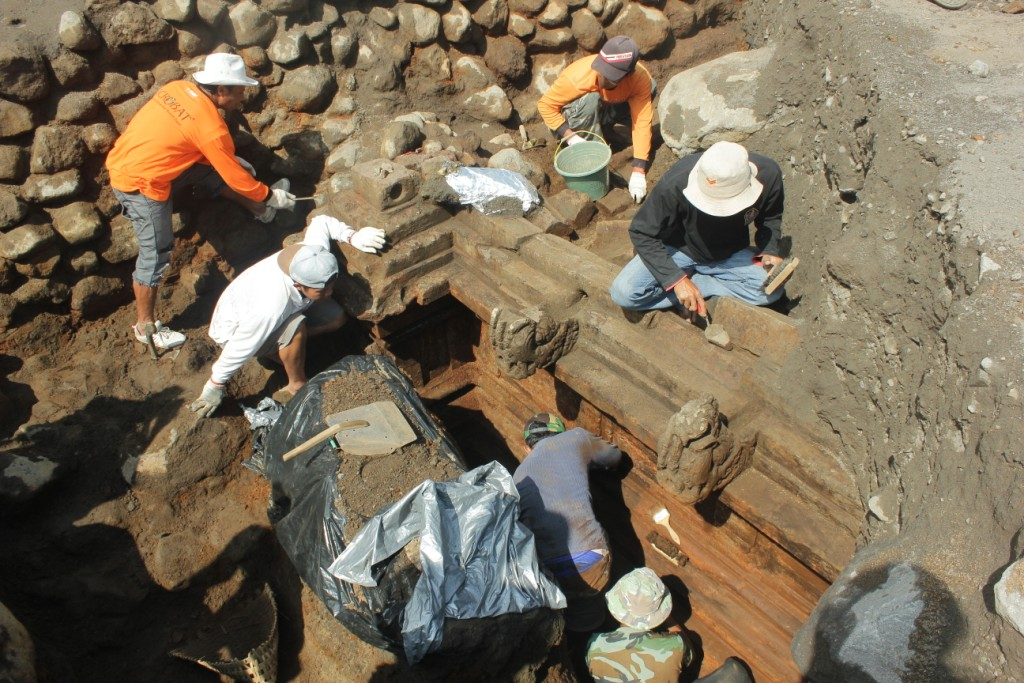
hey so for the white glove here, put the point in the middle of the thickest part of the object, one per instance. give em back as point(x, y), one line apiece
point(367, 239)
point(573, 140)
point(267, 215)
point(246, 165)
point(281, 199)
point(208, 401)
point(637, 186)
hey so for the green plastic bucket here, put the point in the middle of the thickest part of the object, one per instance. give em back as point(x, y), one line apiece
point(585, 166)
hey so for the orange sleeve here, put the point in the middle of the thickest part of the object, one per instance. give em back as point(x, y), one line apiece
point(576, 80)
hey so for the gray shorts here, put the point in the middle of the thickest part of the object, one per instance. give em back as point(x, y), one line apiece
point(320, 313)
point(151, 220)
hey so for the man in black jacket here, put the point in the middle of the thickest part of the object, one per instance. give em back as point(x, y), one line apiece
point(692, 237)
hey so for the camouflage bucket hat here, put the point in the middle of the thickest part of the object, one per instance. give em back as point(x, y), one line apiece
point(640, 600)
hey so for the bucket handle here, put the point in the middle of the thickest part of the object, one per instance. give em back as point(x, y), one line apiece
point(559, 146)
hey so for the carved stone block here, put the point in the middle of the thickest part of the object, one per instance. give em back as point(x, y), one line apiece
point(697, 454)
point(522, 344)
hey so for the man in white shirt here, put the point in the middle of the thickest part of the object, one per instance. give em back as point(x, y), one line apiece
point(275, 305)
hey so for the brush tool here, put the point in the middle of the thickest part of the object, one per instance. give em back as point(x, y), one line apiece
point(778, 275)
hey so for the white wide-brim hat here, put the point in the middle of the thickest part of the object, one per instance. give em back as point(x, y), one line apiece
point(224, 69)
point(724, 181)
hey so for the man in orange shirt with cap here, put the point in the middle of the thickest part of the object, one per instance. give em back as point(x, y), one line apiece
point(597, 90)
point(179, 138)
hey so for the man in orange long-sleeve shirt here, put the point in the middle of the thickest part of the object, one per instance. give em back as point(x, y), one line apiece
point(179, 138)
point(586, 93)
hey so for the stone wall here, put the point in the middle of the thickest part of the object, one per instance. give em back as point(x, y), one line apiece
point(329, 74)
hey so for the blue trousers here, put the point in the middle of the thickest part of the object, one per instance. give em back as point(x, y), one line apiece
point(634, 288)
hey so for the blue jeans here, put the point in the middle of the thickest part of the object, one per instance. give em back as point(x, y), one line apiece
point(636, 289)
point(151, 220)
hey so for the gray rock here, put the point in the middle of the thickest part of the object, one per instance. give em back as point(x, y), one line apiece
point(345, 156)
point(343, 47)
point(506, 56)
point(884, 619)
point(307, 89)
point(384, 18)
point(490, 104)
point(40, 265)
point(72, 69)
point(120, 245)
point(178, 11)
point(492, 16)
point(78, 222)
point(249, 25)
point(116, 87)
point(513, 160)
point(168, 71)
point(76, 33)
point(15, 119)
point(552, 40)
point(337, 129)
point(719, 336)
point(609, 10)
point(473, 73)
point(554, 15)
point(587, 30)
point(99, 138)
point(682, 17)
point(194, 39)
point(1009, 595)
point(41, 293)
point(978, 68)
point(398, 138)
point(212, 12)
point(135, 24)
point(521, 27)
point(712, 102)
point(77, 106)
point(421, 24)
point(23, 73)
point(647, 25)
point(284, 6)
point(289, 48)
point(456, 23)
point(342, 105)
point(51, 188)
point(20, 244)
point(19, 651)
point(85, 263)
point(12, 209)
point(528, 8)
point(8, 309)
point(57, 148)
point(94, 295)
point(12, 163)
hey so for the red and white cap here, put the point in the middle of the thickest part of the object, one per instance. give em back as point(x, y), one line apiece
point(617, 58)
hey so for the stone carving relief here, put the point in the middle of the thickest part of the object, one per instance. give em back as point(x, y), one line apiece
point(697, 454)
point(522, 344)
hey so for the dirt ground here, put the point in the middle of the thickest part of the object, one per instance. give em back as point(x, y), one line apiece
point(148, 564)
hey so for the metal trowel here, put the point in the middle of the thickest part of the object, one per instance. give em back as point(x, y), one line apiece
point(373, 429)
point(387, 431)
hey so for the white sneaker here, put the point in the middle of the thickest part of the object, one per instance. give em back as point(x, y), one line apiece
point(164, 338)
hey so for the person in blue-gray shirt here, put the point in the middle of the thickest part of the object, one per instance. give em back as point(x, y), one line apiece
point(555, 504)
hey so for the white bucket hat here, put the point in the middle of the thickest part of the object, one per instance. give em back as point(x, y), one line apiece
point(222, 68)
point(723, 182)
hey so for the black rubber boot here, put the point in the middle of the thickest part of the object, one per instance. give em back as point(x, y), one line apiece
point(732, 671)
